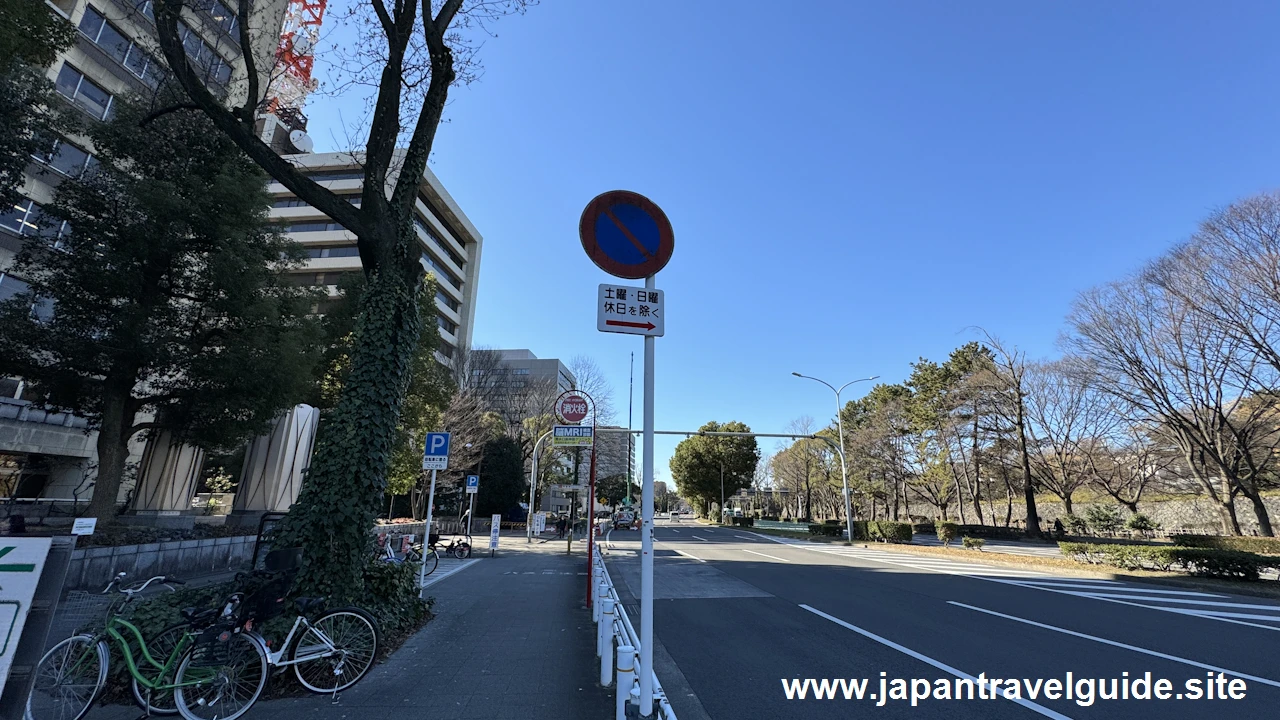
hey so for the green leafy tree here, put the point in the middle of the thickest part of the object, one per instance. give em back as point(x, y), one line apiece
point(163, 307)
point(31, 36)
point(612, 490)
point(1104, 518)
point(696, 464)
point(502, 480)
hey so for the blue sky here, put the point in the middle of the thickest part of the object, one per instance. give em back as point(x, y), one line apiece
point(851, 186)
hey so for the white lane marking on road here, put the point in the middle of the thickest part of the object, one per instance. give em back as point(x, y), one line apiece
point(930, 661)
point(675, 531)
point(771, 557)
point(1121, 588)
point(695, 537)
point(744, 537)
point(1065, 587)
point(1188, 601)
point(691, 557)
point(1113, 643)
point(433, 578)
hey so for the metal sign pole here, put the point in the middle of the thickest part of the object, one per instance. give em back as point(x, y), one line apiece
point(471, 508)
point(426, 540)
point(646, 528)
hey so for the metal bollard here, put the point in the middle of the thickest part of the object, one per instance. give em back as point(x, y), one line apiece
point(605, 646)
point(626, 675)
point(602, 592)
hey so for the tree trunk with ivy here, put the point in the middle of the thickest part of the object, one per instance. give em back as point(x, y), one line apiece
point(343, 492)
point(412, 57)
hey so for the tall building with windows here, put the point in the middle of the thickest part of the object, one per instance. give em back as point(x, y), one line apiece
point(450, 245)
point(115, 54)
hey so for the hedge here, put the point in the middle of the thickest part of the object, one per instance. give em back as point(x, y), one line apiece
point(1259, 545)
point(1208, 562)
point(889, 531)
point(982, 531)
point(744, 521)
point(826, 530)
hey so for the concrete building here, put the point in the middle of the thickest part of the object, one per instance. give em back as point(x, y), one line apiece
point(520, 369)
point(50, 455)
point(449, 243)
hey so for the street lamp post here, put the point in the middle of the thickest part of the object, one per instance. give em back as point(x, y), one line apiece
point(721, 491)
point(844, 469)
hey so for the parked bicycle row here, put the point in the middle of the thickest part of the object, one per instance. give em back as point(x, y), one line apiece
point(213, 665)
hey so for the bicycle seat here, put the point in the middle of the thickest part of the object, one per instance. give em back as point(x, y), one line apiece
point(308, 604)
point(196, 616)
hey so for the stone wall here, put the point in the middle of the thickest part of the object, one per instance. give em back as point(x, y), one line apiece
point(92, 568)
point(1191, 514)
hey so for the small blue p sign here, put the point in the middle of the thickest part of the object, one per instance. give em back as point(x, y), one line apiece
point(435, 453)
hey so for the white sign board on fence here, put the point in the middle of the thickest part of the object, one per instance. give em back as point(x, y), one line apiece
point(539, 522)
point(84, 526)
point(21, 562)
point(494, 527)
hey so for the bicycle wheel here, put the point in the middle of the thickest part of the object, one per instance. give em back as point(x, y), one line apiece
point(432, 561)
point(221, 683)
point(336, 651)
point(68, 679)
point(462, 551)
point(160, 702)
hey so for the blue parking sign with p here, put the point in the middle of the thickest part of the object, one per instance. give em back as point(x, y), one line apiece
point(435, 452)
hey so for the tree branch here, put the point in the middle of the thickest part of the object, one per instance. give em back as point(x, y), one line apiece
point(252, 100)
point(157, 114)
point(240, 131)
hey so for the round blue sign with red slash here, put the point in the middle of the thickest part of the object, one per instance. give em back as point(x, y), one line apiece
point(626, 234)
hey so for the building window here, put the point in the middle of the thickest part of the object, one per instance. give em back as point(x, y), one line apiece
point(440, 271)
point(11, 286)
point(317, 226)
point(333, 251)
point(435, 240)
point(447, 301)
point(288, 202)
point(83, 92)
point(204, 56)
point(119, 46)
point(68, 159)
point(349, 174)
point(445, 349)
point(226, 19)
point(520, 371)
point(146, 7)
point(23, 219)
point(447, 325)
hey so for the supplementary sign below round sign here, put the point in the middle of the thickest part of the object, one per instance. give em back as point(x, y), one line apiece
point(626, 234)
point(571, 408)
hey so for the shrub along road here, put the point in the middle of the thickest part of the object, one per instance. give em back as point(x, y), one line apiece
point(738, 612)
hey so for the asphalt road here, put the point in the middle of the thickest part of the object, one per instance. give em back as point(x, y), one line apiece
point(739, 613)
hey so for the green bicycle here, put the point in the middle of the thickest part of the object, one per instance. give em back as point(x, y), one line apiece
point(205, 669)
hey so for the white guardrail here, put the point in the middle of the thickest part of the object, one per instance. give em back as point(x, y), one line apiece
point(614, 627)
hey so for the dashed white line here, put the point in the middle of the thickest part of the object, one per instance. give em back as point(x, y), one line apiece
point(695, 537)
point(744, 537)
point(771, 557)
point(691, 557)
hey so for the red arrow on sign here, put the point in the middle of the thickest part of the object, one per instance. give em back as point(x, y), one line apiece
point(623, 323)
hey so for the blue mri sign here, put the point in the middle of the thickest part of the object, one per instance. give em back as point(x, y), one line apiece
point(473, 483)
point(435, 453)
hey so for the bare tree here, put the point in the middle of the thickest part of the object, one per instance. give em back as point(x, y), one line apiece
point(591, 380)
point(1179, 368)
point(1067, 413)
point(1011, 367)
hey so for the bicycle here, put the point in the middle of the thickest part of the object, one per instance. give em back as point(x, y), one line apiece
point(204, 661)
point(332, 653)
point(460, 549)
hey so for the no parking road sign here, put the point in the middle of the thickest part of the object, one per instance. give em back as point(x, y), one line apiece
point(626, 234)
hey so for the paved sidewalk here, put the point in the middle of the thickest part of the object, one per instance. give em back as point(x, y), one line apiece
point(511, 639)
